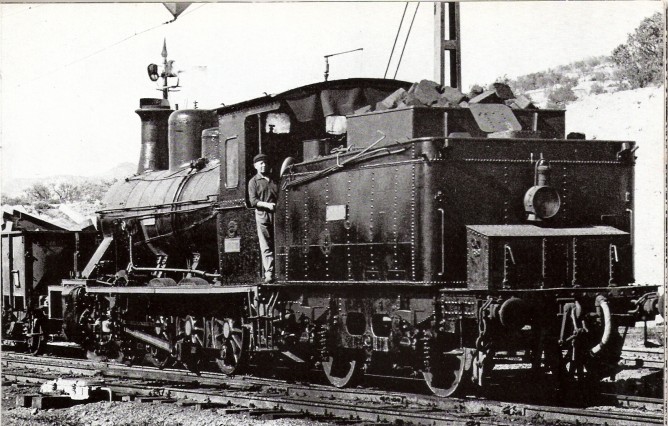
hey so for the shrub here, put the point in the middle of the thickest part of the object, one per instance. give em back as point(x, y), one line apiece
point(595, 61)
point(596, 89)
point(543, 79)
point(599, 76)
point(622, 86)
point(562, 95)
point(15, 201)
point(41, 205)
point(580, 65)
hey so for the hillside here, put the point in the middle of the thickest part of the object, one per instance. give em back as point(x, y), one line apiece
point(16, 187)
point(635, 115)
point(555, 88)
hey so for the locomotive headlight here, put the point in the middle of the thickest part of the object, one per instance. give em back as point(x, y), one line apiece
point(542, 202)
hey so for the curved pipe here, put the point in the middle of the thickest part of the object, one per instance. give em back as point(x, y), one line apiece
point(607, 324)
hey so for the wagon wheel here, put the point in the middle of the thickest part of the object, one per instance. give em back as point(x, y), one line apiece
point(482, 365)
point(159, 357)
point(581, 354)
point(232, 340)
point(36, 341)
point(448, 372)
point(343, 368)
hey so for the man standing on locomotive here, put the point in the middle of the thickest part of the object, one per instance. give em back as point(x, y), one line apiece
point(262, 194)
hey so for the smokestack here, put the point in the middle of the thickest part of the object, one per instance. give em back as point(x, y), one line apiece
point(154, 114)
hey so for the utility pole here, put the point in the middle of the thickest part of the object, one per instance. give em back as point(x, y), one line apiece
point(447, 41)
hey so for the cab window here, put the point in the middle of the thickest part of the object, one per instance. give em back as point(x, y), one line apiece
point(231, 163)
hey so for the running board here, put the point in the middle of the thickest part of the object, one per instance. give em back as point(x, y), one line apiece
point(150, 339)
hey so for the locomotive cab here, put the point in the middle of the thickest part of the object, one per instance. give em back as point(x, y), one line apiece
point(303, 125)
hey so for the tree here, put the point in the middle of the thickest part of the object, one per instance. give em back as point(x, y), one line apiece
point(94, 191)
point(67, 192)
point(38, 192)
point(640, 59)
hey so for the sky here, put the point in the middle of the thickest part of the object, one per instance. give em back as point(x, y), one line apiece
point(72, 74)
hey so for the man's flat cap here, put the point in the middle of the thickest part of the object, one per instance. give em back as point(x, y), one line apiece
point(260, 157)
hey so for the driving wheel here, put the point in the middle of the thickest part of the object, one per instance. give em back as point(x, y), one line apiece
point(231, 339)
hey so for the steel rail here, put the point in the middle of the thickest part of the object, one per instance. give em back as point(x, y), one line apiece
point(271, 393)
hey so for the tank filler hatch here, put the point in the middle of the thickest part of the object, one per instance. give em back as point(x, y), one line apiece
point(499, 121)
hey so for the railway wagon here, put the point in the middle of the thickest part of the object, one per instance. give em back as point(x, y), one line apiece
point(36, 254)
point(412, 241)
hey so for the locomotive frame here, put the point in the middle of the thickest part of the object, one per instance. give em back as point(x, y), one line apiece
point(425, 245)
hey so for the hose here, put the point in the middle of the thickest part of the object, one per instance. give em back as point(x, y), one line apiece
point(607, 324)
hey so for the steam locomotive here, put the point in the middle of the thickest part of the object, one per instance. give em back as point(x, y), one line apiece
point(413, 238)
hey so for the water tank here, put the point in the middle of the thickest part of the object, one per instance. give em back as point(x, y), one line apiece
point(185, 135)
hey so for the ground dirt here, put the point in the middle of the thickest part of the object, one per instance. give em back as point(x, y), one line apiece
point(151, 414)
point(123, 413)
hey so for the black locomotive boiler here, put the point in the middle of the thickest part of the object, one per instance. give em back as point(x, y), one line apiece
point(411, 240)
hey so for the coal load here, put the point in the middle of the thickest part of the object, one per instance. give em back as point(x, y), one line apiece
point(480, 113)
point(431, 94)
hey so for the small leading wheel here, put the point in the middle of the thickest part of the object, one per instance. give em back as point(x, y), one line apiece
point(158, 357)
point(448, 372)
point(231, 338)
point(36, 341)
point(130, 353)
point(343, 369)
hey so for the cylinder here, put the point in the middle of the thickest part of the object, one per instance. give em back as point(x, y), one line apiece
point(154, 115)
point(211, 143)
point(185, 135)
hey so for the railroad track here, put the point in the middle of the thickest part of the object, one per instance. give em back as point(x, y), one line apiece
point(282, 398)
point(643, 357)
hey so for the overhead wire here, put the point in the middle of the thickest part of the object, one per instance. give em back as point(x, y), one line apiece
point(406, 41)
point(110, 46)
point(30, 7)
point(401, 23)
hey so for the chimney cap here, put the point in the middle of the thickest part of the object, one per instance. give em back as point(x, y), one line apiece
point(151, 103)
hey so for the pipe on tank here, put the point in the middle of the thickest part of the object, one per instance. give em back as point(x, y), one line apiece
point(154, 114)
